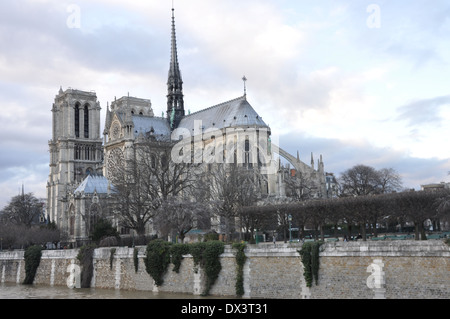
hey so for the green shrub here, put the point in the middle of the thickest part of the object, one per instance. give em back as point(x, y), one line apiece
point(136, 259)
point(315, 261)
point(85, 256)
point(177, 251)
point(211, 262)
point(112, 252)
point(240, 262)
point(211, 236)
point(157, 260)
point(32, 260)
point(196, 250)
point(310, 259)
point(102, 229)
point(207, 255)
point(305, 254)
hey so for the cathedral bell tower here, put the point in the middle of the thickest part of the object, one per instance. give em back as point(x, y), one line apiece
point(76, 149)
point(175, 103)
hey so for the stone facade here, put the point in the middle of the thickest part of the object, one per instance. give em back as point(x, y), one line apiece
point(359, 270)
point(76, 151)
point(229, 132)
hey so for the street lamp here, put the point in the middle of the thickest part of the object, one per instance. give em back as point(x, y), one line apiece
point(290, 227)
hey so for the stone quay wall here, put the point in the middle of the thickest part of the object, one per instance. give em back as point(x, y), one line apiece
point(348, 270)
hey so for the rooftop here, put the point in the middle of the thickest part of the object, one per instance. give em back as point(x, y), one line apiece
point(92, 184)
point(234, 113)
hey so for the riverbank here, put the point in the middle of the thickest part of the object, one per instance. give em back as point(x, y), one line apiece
point(348, 270)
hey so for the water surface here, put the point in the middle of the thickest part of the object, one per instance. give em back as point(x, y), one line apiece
point(18, 291)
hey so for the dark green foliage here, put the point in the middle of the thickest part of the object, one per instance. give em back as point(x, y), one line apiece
point(315, 261)
point(211, 236)
point(196, 250)
point(111, 257)
point(207, 255)
point(85, 256)
point(136, 259)
point(103, 228)
point(310, 259)
point(211, 262)
point(240, 262)
point(305, 254)
point(32, 260)
point(157, 260)
point(177, 251)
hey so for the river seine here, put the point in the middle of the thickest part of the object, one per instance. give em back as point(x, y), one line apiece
point(15, 291)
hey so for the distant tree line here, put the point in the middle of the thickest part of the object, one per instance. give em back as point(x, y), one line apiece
point(367, 201)
point(365, 213)
point(21, 224)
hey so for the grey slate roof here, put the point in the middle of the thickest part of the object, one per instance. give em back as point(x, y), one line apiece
point(93, 184)
point(234, 113)
point(144, 125)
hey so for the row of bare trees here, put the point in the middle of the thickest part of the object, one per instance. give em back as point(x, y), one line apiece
point(366, 213)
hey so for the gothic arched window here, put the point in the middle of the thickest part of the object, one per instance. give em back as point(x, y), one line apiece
point(86, 121)
point(77, 120)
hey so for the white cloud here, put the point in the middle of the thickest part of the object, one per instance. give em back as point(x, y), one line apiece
point(316, 73)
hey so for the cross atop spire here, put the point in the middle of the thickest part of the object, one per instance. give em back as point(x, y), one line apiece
point(245, 85)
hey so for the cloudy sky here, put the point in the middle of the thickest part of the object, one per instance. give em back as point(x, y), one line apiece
point(360, 82)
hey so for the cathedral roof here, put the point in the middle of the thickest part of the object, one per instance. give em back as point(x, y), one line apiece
point(234, 113)
point(92, 184)
point(157, 126)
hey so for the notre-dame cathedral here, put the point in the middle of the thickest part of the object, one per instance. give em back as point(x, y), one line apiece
point(82, 161)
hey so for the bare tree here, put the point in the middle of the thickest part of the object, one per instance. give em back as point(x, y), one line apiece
point(146, 182)
point(389, 181)
point(277, 210)
point(231, 188)
point(443, 208)
point(359, 181)
point(418, 207)
point(23, 209)
point(298, 186)
point(364, 180)
point(180, 215)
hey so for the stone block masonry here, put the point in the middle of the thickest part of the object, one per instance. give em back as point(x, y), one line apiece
point(353, 270)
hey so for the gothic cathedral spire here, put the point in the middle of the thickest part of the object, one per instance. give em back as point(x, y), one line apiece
point(175, 103)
